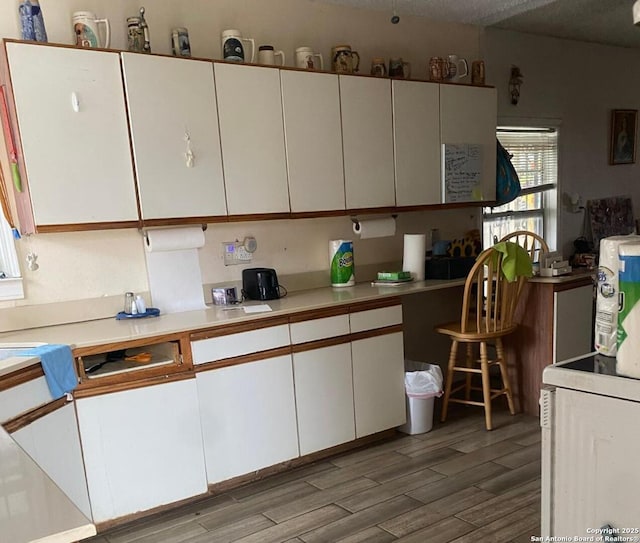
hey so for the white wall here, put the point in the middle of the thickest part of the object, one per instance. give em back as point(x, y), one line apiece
point(89, 265)
point(578, 83)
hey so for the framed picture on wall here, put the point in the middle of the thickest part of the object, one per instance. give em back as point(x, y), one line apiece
point(623, 136)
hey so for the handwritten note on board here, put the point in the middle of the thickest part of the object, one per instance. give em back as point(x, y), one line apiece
point(462, 172)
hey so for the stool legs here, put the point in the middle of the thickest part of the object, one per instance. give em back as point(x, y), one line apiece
point(467, 388)
point(486, 384)
point(449, 380)
point(505, 377)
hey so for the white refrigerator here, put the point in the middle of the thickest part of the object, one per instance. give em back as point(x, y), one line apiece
point(590, 419)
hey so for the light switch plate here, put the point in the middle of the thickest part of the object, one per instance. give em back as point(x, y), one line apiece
point(235, 253)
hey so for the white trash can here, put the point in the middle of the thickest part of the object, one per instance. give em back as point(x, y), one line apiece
point(419, 414)
point(421, 387)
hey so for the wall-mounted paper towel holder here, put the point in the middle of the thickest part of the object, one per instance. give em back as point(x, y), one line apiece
point(356, 221)
point(143, 231)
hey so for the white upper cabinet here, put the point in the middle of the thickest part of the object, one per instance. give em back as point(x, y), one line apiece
point(72, 117)
point(174, 133)
point(367, 133)
point(311, 105)
point(252, 136)
point(468, 115)
point(416, 138)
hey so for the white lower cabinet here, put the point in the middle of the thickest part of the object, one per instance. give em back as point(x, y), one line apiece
point(378, 383)
point(142, 448)
point(53, 443)
point(248, 416)
point(324, 397)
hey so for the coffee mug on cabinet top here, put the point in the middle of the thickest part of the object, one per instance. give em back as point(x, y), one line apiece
point(232, 48)
point(342, 59)
point(85, 29)
point(438, 68)
point(306, 59)
point(398, 68)
point(378, 67)
point(457, 68)
point(477, 72)
point(267, 55)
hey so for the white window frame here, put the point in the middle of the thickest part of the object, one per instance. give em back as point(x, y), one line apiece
point(549, 193)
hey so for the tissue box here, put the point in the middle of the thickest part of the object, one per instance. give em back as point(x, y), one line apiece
point(448, 267)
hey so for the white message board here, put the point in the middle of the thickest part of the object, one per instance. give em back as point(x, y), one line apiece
point(461, 172)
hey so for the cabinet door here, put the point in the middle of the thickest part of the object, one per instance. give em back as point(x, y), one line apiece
point(367, 133)
point(311, 105)
point(73, 125)
point(142, 448)
point(378, 383)
point(54, 444)
point(252, 136)
point(416, 140)
point(594, 472)
point(248, 417)
point(573, 323)
point(469, 115)
point(324, 397)
point(172, 110)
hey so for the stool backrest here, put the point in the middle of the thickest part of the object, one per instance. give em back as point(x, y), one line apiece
point(489, 300)
point(531, 242)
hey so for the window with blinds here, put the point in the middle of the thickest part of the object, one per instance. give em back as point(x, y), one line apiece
point(535, 158)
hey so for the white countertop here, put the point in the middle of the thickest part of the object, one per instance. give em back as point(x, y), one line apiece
point(102, 331)
point(32, 507)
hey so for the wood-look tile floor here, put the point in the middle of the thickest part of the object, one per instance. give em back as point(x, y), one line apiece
point(456, 483)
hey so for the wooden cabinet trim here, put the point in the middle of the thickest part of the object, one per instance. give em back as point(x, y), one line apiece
point(21, 376)
point(321, 343)
point(314, 314)
point(15, 424)
point(243, 359)
point(374, 304)
point(236, 328)
point(377, 332)
point(130, 343)
point(86, 392)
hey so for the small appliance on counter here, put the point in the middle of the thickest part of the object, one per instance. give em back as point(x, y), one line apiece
point(260, 284)
point(552, 264)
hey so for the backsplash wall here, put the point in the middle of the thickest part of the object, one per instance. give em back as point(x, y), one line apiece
point(89, 265)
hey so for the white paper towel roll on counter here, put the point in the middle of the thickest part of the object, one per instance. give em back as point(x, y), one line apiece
point(415, 246)
point(375, 228)
point(173, 268)
point(628, 357)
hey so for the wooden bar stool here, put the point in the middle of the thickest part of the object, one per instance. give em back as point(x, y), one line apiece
point(488, 306)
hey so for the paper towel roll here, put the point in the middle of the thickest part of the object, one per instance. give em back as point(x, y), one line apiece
point(414, 255)
point(341, 264)
point(173, 239)
point(173, 268)
point(606, 321)
point(375, 228)
point(628, 357)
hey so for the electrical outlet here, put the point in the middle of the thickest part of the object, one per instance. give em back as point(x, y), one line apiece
point(235, 253)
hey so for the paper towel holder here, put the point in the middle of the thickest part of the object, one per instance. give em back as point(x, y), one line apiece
point(143, 231)
point(356, 221)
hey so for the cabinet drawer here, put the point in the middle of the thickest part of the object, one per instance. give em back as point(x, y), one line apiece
point(254, 341)
point(375, 318)
point(24, 397)
point(312, 330)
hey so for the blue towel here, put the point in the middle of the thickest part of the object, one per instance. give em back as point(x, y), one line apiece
point(59, 370)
